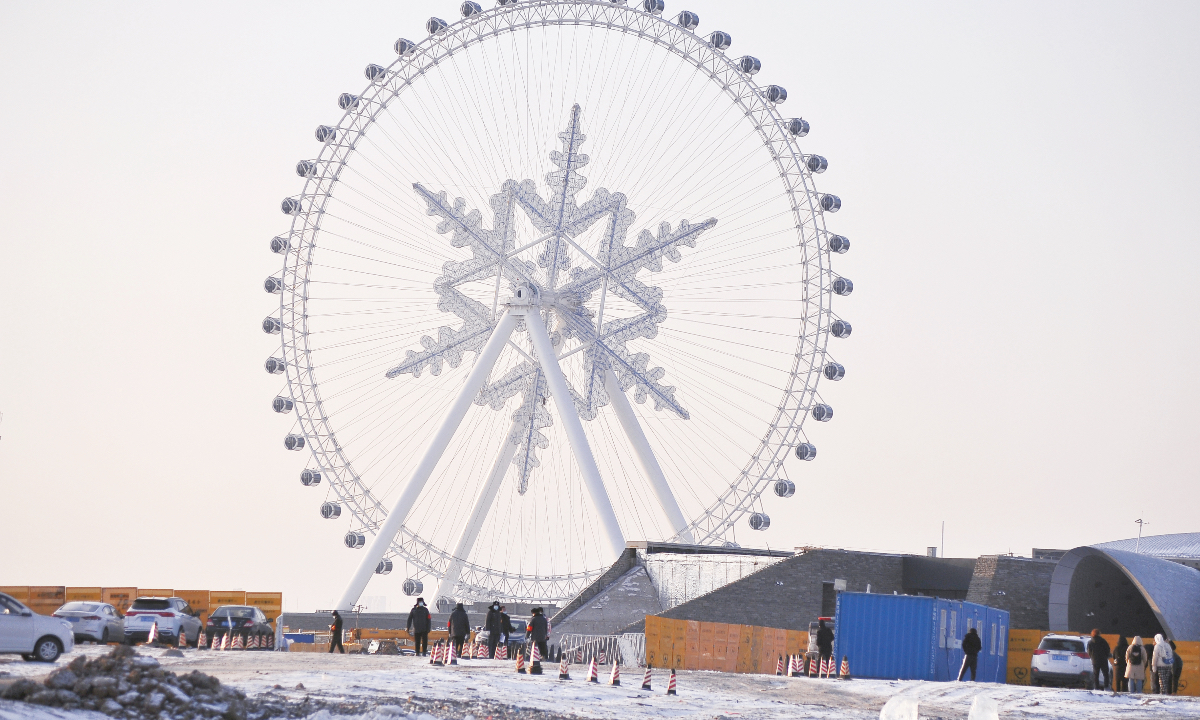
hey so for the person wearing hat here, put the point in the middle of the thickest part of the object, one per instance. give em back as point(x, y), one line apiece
point(494, 624)
point(419, 623)
point(459, 626)
point(335, 634)
point(538, 630)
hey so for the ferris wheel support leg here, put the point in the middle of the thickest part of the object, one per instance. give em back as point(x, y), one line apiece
point(483, 504)
point(433, 453)
point(645, 457)
point(574, 429)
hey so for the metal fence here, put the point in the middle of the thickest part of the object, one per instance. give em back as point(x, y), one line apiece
point(628, 649)
point(680, 578)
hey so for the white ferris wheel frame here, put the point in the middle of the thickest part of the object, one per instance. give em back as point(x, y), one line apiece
point(785, 428)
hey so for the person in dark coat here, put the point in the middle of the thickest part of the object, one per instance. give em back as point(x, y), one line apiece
point(824, 641)
point(335, 633)
point(971, 645)
point(507, 628)
point(1098, 648)
point(459, 626)
point(1120, 682)
point(494, 624)
point(419, 624)
point(539, 631)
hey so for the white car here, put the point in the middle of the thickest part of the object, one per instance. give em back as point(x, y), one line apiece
point(95, 621)
point(1061, 660)
point(173, 616)
point(32, 636)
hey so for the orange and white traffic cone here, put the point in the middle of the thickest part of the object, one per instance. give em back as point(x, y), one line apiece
point(646, 678)
point(779, 666)
point(791, 670)
point(183, 640)
point(535, 666)
point(453, 653)
point(153, 636)
point(202, 641)
point(845, 673)
point(603, 658)
point(238, 644)
point(615, 678)
point(671, 683)
point(252, 643)
point(502, 652)
point(592, 675)
point(521, 663)
point(564, 672)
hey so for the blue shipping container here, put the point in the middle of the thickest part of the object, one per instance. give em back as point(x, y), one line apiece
point(904, 637)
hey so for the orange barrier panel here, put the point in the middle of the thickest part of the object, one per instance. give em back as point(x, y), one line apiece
point(217, 598)
point(17, 592)
point(745, 659)
point(707, 649)
point(653, 653)
point(84, 594)
point(45, 599)
point(797, 642)
point(691, 645)
point(720, 632)
point(270, 603)
point(119, 597)
point(156, 592)
point(197, 600)
point(678, 643)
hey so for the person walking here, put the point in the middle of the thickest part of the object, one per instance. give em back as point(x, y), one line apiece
point(971, 645)
point(459, 626)
point(335, 634)
point(824, 641)
point(494, 624)
point(1163, 664)
point(1135, 665)
point(539, 630)
point(419, 624)
point(1177, 669)
point(1120, 684)
point(1099, 649)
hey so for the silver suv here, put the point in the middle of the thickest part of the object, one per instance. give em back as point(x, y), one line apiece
point(173, 615)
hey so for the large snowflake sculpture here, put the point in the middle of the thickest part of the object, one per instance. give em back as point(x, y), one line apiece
point(564, 292)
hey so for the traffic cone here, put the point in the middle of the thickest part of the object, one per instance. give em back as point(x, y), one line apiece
point(646, 678)
point(564, 672)
point(845, 674)
point(237, 643)
point(579, 655)
point(521, 663)
point(603, 658)
point(671, 683)
point(779, 666)
point(792, 666)
point(535, 667)
point(153, 636)
point(591, 673)
point(183, 640)
point(502, 652)
point(252, 644)
point(615, 678)
point(827, 666)
point(437, 654)
point(202, 641)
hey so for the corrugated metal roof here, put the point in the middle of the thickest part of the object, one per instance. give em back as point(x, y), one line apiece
point(1176, 545)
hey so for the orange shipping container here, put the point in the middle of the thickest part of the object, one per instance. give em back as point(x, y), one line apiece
point(119, 597)
point(84, 594)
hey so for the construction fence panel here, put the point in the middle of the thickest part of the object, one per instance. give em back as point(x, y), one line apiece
point(197, 600)
point(691, 645)
point(84, 594)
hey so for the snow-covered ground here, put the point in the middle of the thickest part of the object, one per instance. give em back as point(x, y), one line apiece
point(387, 682)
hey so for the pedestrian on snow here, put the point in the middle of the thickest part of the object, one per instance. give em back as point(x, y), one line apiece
point(459, 626)
point(335, 634)
point(539, 630)
point(1099, 649)
point(506, 627)
point(971, 646)
point(1178, 668)
point(419, 624)
point(824, 641)
point(1120, 684)
point(1163, 664)
point(494, 624)
point(1135, 665)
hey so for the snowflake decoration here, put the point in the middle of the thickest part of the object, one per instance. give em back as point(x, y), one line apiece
point(564, 291)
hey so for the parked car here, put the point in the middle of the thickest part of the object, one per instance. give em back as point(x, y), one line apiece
point(95, 621)
point(241, 620)
point(32, 636)
point(1061, 660)
point(173, 615)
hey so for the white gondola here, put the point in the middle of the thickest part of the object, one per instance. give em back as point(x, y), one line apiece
point(355, 540)
point(785, 488)
point(688, 20)
point(831, 203)
point(275, 366)
point(760, 521)
point(654, 7)
point(806, 451)
point(840, 329)
point(720, 40)
point(331, 510)
point(749, 64)
point(375, 73)
point(272, 326)
point(822, 412)
point(281, 404)
point(413, 587)
point(843, 286)
point(838, 244)
point(435, 25)
point(834, 371)
point(404, 47)
point(273, 285)
point(346, 101)
point(279, 245)
point(294, 442)
point(469, 8)
point(325, 134)
point(775, 94)
point(816, 164)
point(384, 567)
point(306, 168)
point(291, 206)
point(798, 127)
point(308, 478)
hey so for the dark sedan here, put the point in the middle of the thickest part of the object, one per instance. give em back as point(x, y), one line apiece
point(243, 621)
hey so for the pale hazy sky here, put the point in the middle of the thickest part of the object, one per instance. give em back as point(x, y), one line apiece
point(1019, 182)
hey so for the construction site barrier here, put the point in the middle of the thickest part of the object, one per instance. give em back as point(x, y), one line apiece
point(628, 649)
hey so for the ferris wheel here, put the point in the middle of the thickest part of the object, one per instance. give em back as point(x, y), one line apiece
point(558, 278)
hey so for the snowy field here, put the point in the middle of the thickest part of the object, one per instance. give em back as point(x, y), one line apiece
point(380, 687)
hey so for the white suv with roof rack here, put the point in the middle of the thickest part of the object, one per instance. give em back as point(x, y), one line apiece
point(1061, 660)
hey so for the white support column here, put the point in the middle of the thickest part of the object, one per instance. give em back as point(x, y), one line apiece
point(429, 460)
point(645, 457)
point(574, 429)
point(483, 504)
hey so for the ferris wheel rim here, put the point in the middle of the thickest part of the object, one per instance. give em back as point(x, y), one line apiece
point(812, 340)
